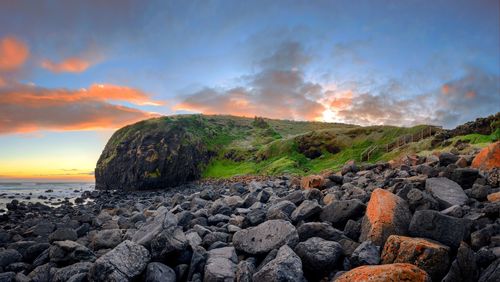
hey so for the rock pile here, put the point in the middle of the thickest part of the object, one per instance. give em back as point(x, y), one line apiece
point(426, 219)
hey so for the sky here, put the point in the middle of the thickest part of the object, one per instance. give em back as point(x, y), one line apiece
point(72, 72)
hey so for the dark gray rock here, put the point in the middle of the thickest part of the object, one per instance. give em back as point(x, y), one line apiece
point(158, 272)
point(492, 273)
point(221, 265)
point(352, 229)
point(123, 263)
point(339, 212)
point(269, 235)
point(245, 270)
point(63, 234)
point(286, 267)
point(319, 255)
point(365, 254)
point(150, 229)
point(464, 267)
point(318, 229)
point(437, 226)
point(465, 177)
point(171, 241)
point(306, 210)
point(197, 264)
point(255, 217)
point(447, 159)
point(9, 256)
point(281, 210)
point(421, 200)
point(65, 273)
point(479, 192)
point(446, 191)
point(107, 239)
point(7, 277)
point(69, 252)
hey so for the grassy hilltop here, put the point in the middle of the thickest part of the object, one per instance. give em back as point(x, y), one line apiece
point(241, 146)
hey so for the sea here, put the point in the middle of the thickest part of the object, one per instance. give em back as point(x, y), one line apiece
point(51, 194)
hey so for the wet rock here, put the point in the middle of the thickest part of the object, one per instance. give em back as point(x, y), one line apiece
point(339, 212)
point(464, 267)
point(287, 266)
point(428, 255)
point(446, 191)
point(171, 241)
point(106, 239)
point(150, 229)
point(221, 265)
point(386, 272)
point(437, 226)
point(7, 276)
point(269, 235)
point(319, 255)
point(365, 254)
point(123, 263)
point(386, 214)
point(158, 272)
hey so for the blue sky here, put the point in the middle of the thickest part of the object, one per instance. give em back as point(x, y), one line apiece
point(363, 62)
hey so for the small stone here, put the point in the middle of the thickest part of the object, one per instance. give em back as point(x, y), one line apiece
point(287, 266)
point(366, 254)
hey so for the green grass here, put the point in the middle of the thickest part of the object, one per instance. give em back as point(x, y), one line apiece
point(478, 138)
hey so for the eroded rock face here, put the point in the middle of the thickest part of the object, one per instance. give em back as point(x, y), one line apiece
point(152, 154)
point(386, 214)
point(387, 272)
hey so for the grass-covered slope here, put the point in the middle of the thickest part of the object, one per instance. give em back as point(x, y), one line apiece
point(166, 151)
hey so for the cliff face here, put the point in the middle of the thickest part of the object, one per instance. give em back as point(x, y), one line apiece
point(151, 154)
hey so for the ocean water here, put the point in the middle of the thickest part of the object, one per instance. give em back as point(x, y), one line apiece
point(31, 191)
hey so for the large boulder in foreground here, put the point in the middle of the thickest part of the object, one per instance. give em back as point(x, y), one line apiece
point(155, 153)
point(386, 272)
point(386, 214)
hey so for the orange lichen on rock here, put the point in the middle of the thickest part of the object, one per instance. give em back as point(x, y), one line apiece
point(312, 181)
point(494, 197)
point(488, 158)
point(385, 273)
point(386, 214)
point(431, 256)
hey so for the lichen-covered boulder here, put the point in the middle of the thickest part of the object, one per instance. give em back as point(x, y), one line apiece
point(488, 158)
point(386, 272)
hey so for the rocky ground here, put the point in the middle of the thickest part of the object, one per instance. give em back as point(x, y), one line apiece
point(418, 219)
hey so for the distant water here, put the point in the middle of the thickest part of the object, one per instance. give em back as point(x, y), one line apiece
point(31, 191)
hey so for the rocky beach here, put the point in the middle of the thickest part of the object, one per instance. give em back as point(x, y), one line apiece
point(433, 218)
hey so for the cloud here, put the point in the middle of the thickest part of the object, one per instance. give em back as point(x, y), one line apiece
point(13, 54)
point(72, 64)
point(25, 108)
point(277, 90)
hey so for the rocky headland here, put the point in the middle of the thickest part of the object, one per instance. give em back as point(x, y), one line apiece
point(413, 218)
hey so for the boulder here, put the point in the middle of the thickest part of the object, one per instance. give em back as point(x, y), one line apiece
point(318, 229)
point(125, 262)
point(106, 239)
point(221, 264)
point(428, 255)
point(386, 214)
point(319, 255)
point(447, 159)
point(446, 191)
point(386, 272)
point(69, 252)
point(491, 273)
point(63, 234)
point(465, 177)
point(494, 197)
point(464, 267)
point(488, 158)
point(65, 273)
point(306, 210)
point(171, 241)
point(266, 236)
point(281, 210)
point(9, 256)
point(339, 212)
point(365, 254)
point(158, 272)
point(286, 266)
point(437, 226)
point(150, 229)
point(312, 181)
point(245, 270)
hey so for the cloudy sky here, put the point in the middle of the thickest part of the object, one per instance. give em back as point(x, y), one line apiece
point(71, 72)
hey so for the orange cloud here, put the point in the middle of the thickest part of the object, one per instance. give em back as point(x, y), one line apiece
point(26, 108)
point(13, 54)
point(72, 64)
point(470, 95)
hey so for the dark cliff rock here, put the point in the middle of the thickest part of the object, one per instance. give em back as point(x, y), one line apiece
point(152, 154)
